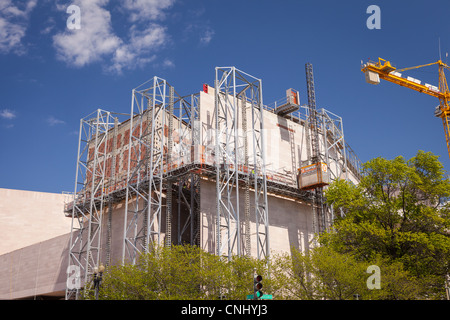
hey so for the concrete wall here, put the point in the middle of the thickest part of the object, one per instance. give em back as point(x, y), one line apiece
point(290, 222)
point(28, 217)
point(285, 142)
point(36, 270)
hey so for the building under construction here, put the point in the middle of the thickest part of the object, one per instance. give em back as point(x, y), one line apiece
point(218, 169)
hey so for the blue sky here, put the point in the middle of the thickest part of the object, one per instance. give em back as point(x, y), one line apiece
point(51, 76)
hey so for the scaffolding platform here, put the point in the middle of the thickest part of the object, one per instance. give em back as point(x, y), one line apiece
point(277, 184)
point(289, 106)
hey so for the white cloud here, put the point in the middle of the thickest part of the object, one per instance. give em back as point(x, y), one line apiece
point(50, 26)
point(147, 9)
point(168, 63)
point(207, 36)
point(52, 121)
point(7, 114)
point(198, 27)
point(90, 43)
point(137, 52)
point(96, 40)
point(13, 24)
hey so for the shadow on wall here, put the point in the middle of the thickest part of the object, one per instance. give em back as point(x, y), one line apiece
point(35, 271)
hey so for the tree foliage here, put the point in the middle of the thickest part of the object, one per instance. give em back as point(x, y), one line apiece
point(181, 273)
point(399, 212)
point(321, 273)
point(188, 273)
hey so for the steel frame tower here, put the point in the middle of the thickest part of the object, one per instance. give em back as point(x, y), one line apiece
point(318, 206)
point(89, 201)
point(335, 146)
point(337, 154)
point(144, 188)
point(189, 185)
point(152, 174)
point(232, 86)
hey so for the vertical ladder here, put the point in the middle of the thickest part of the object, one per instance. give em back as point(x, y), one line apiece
point(169, 181)
point(110, 199)
point(246, 180)
point(315, 147)
point(293, 157)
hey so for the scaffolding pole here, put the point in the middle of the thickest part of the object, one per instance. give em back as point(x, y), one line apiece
point(146, 163)
point(232, 85)
point(195, 179)
point(112, 184)
point(89, 201)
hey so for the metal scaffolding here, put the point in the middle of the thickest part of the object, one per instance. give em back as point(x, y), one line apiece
point(144, 188)
point(159, 179)
point(235, 89)
point(90, 199)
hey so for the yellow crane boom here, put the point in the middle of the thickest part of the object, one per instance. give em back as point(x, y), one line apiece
point(382, 69)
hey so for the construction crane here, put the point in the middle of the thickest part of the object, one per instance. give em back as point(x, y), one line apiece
point(374, 71)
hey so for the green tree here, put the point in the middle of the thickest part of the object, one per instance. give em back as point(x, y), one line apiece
point(321, 273)
point(182, 272)
point(398, 212)
point(325, 273)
